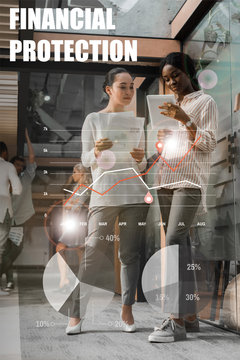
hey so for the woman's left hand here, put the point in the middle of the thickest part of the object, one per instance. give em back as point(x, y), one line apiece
point(175, 112)
point(137, 154)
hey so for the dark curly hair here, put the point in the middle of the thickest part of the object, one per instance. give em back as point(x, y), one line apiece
point(3, 147)
point(184, 63)
point(17, 158)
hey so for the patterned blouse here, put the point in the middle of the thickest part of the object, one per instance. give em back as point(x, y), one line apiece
point(186, 162)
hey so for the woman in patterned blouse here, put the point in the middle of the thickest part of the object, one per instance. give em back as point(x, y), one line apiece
point(182, 180)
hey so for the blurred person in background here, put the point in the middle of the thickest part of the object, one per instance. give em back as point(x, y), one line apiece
point(9, 181)
point(23, 210)
point(73, 227)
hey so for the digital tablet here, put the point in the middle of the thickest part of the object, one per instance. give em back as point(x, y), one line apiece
point(159, 121)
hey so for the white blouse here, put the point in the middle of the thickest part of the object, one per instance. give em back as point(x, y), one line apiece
point(111, 187)
point(8, 175)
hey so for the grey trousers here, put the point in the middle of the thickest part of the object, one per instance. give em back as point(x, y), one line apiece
point(178, 209)
point(99, 248)
point(4, 231)
point(10, 254)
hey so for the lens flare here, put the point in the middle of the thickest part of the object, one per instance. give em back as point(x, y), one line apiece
point(207, 79)
point(159, 146)
point(69, 225)
point(171, 143)
point(106, 160)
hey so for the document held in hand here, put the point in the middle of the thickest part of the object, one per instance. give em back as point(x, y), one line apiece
point(123, 129)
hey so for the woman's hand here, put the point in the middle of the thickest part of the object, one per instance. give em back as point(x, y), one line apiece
point(175, 112)
point(137, 154)
point(101, 145)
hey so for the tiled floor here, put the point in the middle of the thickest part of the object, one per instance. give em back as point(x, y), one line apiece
point(35, 331)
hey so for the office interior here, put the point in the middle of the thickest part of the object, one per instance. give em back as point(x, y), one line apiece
point(52, 100)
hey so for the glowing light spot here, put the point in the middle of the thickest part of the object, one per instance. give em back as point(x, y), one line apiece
point(171, 143)
point(208, 79)
point(106, 160)
point(148, 198)
point(159, 145)
point(47, 98)
point(69, 225)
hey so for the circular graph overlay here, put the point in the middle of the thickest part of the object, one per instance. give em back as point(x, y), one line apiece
point(208, 79)
point(173, 284)
point(88, 282)
point(106, 160)
point(158, 285)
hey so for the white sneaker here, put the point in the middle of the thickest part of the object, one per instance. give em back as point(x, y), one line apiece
point(169, 331)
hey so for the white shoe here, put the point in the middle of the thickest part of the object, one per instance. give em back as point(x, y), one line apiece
point(126, 327)
point(9, 286)
point(3, 293)
point(73, 330)
point(168, 332)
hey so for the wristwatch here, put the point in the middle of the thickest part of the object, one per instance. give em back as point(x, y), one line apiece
point(189, 123)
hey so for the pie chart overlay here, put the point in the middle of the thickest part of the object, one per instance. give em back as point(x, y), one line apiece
point(163, 289)
point(159, 285)
point(89, 282)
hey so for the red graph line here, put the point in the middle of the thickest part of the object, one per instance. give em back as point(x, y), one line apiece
point(135, 176)
point(173, 169)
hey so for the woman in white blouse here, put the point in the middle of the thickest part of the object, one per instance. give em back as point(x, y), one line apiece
point(182, 179)
point(113, 196)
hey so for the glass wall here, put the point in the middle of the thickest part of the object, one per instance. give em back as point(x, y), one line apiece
point(128, 15)
point(57, 107)
point(214, 45)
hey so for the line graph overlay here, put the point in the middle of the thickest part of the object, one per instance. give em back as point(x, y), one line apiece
point(132, 177)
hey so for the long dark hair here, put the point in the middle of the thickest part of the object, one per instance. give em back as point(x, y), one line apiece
point(110, 76)
point(184, 63)
point(3, 147)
